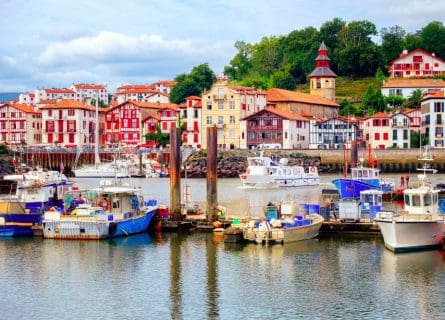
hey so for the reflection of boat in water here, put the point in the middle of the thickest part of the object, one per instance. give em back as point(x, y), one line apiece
point(140, 239)
point(263, 172)
point(420, 225)
point(283, 225)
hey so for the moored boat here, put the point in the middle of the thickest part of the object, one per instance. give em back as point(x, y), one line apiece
point(283, 225)
point(420, 225)
point(263, 172)
point(112, 210)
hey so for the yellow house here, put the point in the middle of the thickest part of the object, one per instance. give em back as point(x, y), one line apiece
point(223, 105)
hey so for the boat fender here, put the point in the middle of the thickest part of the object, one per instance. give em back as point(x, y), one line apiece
point(312, 169)
point(112, 228)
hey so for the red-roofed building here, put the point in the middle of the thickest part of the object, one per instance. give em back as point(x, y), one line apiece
point(322, 79)
point(69, 122)
point(20, 124)
point(190, 113)
point(416, 63)
point(87, 92)
point(55, 94)
point(376, 131)
point(27, 98)
point(124, 123)
point(164, 86)
point(285, 128)
point(433, 117)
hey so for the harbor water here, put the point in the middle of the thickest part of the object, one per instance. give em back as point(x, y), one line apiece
point(198, 276)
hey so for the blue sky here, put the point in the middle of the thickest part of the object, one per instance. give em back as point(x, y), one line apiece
point(48, 43)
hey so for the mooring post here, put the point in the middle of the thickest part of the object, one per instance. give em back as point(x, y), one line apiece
point(175, 174)
point(212, 192)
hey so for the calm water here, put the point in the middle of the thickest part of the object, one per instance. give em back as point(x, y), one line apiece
point(198, 276)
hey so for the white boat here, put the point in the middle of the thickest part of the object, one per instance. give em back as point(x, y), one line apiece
point(112, 210)
point(263, 172)
point(420, 224)
point(283, 225)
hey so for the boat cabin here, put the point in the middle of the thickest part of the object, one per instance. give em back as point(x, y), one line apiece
point(370, 175)
point(422, 200)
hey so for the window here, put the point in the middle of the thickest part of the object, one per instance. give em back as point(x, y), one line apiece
point(318, 83)
point(231, 133)
point(220, 105)
point(405, 134)
point(209, 105)
point(196, 114)
point(220, 119)
point(232, 119)
point(231, 104)
point(376, 136)
point(394, 134)
point(385, 135)
point(209, 120)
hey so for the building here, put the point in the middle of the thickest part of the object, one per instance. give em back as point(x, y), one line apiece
point(322, 79)
point(71, 123)
point(124, 123)
point(88, 92)
point(400, 130)
point(332, 133)
point(302, 103)
point(224, 105)
point(416, 63)
point(433, 116)
point(376, 131)
point(406, 87)
point(20, 124)
point(415, 119)
point(164, 86)
point(55, 94)
point(27, 98)
point(275, 126)
point(141, 93)
point(190, 113)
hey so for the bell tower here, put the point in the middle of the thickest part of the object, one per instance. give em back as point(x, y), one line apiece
point(322, 79)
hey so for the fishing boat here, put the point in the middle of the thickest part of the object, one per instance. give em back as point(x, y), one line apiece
point(283, 225)
point(263, 172)
point(114, 209)
point(420, 224)
point(37, 190)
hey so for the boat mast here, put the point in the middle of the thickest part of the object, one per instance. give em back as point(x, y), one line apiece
point(96, 140)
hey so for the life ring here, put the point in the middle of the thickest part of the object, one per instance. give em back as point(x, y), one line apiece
point(312, 169)
point(52, 209)
point(104, 204)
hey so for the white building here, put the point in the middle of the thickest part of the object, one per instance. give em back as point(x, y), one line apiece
point(400, 130)
point(87, 92)
point(20, 124)
point(416, 63)
point(332, 133)
point(140, 93)
point(406, 87)
point(55, 94)
point(433, 116)
point(190, 113)
point(27, 98)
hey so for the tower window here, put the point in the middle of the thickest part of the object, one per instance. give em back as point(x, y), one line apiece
point(318, 83)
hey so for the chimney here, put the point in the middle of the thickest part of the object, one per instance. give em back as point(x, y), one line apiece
point(405, 51)
point(433, 54)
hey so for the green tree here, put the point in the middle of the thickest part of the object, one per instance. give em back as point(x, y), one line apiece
point(267, 56)
point(393, 42)
point(380, 77)
point(433, 38)
point(395, 100)
point(414, 100)
point(414, 139)
point(413, 41)
point(241, 63)
point(283, 80)
point(373, 101)
point(201, 78)
point(348, 109)
point(161, 138)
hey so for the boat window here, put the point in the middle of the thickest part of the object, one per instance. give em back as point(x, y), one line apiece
point(115, 203)
point(435, 198)
point(360, 174)
point(379, 199)
point(427, 200)
point(416, 200)
point(407, 202)
point(354, 174)
point(376, 173)
point(365, 174)
point(295, 172)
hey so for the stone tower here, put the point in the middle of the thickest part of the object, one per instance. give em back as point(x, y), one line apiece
point(322, 79)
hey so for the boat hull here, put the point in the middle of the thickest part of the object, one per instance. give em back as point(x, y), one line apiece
point(276, 182)
point(402, 236)
point(84, 229)
point(20, 224)
point(284, 234)
point(349, 188)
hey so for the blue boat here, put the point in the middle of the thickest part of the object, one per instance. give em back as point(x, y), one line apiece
point(362, 178)
point(37, 190)
point(112, 210)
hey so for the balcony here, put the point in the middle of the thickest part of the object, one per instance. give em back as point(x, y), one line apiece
point(219, 97)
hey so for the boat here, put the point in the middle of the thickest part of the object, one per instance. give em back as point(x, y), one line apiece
point(283, 225)
point(112, 210)
point(420, 224)
point(36, 191)
point(263, 172)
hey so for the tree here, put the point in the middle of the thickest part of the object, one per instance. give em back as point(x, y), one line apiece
point(414, 100)
point(241, 63)
point(161, 138)
point(414, 139)
point(433, 38)
point(373, 101)
point(395, 100)
point(348, 109)
point(267, 56)
point(283, 80)
point(393, 42)
point(200, 79)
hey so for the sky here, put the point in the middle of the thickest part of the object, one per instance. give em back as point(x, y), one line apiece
point(54, 43)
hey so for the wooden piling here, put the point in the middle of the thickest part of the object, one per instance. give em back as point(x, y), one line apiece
point(212, 193)
point(175, 174)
